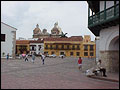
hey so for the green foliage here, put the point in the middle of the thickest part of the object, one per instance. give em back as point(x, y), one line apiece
point(63, 35)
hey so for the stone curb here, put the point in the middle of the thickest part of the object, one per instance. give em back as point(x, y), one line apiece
point(104, 78)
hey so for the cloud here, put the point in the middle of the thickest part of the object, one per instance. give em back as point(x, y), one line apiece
point(24, 15)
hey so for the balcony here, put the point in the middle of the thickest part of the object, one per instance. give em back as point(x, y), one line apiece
point(104, 19)
point(62, 49)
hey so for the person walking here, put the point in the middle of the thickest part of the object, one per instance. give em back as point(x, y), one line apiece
point(80, 63)
point(23, 55)
point(7, 56)
point(33, 57)
point(26, 57)
point(43, 58)
point(20, 56)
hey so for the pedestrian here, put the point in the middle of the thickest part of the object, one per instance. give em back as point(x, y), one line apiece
point(43, 58)
point(26, 57)
point(80, 63)
point(33, 57)
point(7, 56)
point(23, 55)
point(62, 56)
point(20, 56)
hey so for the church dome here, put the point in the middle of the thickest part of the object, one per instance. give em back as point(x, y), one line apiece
point(56, 29)
point(37, 30)
point(45, 31)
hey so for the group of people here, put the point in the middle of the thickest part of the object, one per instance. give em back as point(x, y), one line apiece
point(33, 57)
point(94, 70)
point(25, 57)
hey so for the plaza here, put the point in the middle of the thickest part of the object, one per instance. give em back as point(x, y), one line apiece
point(56, 73)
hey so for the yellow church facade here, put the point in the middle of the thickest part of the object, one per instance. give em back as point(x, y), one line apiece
point(75, 46)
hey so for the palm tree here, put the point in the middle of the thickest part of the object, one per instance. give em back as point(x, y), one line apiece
point(63, 35)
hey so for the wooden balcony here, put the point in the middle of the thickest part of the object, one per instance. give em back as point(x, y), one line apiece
point(104, 19)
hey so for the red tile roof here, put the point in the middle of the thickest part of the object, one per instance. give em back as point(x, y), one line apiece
point(64, 39)
point(22, 41)
point(28, 41)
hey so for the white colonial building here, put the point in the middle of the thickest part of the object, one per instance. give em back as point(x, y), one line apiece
point(36, 46)
point(104, 22)
point(8, 40)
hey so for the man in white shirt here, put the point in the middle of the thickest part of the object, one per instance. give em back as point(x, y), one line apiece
point(101, 69)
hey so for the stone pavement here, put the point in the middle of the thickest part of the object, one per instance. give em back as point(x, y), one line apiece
point(57, 73)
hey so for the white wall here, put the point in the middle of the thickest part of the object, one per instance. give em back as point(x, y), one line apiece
point(106, 36)
point(37, 47)
point(7, 46)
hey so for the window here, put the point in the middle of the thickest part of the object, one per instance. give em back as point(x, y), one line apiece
point(62, 53)
point(73, 47)
point(56, 46)
point(67, 46)
point(52, 53)
point(85, 47)
point(46, 47)
point(91, 53)
point(2, 37)
point(39, 47)
point(33, 48)
point(71, 53)
point(62, 46)
point(91, 47)
point(77, 53)
point(78, 47)
point(85, 53)
point(51, 47)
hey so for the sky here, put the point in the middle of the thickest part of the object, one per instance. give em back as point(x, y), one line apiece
point(72, 16)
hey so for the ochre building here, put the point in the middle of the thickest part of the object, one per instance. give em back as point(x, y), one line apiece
point(74, 46)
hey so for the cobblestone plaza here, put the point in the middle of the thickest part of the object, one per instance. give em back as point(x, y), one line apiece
point(56, 73)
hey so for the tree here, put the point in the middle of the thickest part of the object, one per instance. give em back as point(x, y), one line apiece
point(63, 35)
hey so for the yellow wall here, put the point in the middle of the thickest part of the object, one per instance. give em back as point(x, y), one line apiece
point(67, 52)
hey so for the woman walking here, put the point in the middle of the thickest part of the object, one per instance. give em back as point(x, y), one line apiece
point(26, 57)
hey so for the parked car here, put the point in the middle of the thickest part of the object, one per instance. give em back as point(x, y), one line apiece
point(62, 56)
point(53, 55)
